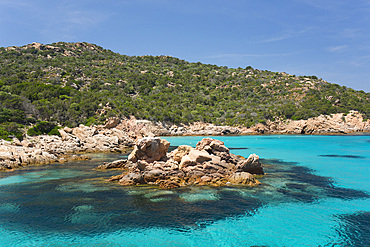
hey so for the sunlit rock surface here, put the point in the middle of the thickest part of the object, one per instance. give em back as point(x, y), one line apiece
point(210, 163)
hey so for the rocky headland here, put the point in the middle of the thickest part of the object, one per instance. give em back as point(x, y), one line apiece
point(209, 163)
point(45, 149)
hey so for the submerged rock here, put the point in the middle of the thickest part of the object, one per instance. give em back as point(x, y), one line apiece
point(242, 178)
point(210, 163)
point(113, 165)
point(131, 179)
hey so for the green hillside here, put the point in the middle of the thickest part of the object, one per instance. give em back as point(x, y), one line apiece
point(73, 83)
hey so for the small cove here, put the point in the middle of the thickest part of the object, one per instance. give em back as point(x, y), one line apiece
point(304, 199)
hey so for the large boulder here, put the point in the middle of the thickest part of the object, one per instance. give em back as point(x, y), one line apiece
point(149, 149)
point(218, 146)
point(199, 156)
point(186, 161)
point(132, 179)
point(180, 152)
point(214, 147)
point(251, 165)
point(211, 145)
point(201, 145)
point(194, 157)
point(112, 122)
point(153, 175)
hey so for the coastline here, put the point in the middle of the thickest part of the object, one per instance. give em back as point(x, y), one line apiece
point(84, 196)
point(120, 135)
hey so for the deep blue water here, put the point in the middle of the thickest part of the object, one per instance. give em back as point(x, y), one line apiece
point(316, 192)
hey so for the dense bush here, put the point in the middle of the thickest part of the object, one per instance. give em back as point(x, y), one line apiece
point(43, 128)
point(9, 130)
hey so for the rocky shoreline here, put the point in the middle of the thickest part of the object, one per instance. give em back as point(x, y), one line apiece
point(209, 163)
point(324, 124)
point(69, 146)
point(118, 135)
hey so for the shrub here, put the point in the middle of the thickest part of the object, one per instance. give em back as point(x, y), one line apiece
point(33, 131)
point(55, 131)
point(4, 134)
point(9, 130)
point(43, 127)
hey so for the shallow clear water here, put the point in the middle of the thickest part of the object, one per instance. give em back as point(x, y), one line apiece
point(315, 193)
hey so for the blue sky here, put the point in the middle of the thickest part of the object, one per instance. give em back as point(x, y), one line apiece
point(326, 38)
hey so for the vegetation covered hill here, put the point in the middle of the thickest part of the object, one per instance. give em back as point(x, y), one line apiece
point(73, 83)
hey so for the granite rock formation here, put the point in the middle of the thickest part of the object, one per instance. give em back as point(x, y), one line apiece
point(209, 163)
point(324, 124)
point(45, 149)
point(119, 134)
point(39, 151)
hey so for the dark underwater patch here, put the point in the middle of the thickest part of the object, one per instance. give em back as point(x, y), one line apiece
point(298, 195)
point(43, 206)
point(296, 186)
point(237, 148)
point(306, 175)
point(278, 162)
point(300, 179)
point(342, 156)
point(113, 210)
point(355, 230)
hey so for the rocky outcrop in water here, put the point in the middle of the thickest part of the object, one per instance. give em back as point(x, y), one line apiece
point(209, 163)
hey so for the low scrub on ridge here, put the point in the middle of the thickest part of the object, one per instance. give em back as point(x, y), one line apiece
point(81, 83)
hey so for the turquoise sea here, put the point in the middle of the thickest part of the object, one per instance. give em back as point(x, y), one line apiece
point(316, 192)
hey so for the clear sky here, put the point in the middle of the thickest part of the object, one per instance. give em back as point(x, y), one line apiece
point(326, 38)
